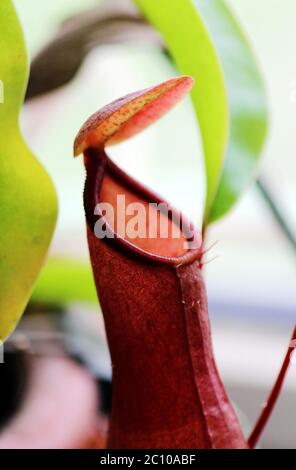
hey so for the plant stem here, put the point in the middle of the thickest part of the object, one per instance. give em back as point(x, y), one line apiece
point(277, 214)
point(273, 396)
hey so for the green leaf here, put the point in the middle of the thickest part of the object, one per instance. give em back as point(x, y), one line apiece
point(247, 100)
point(191, 47)
point(63, 281)
point(28, 205)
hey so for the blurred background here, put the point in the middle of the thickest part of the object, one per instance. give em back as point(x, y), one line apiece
point(250, 270)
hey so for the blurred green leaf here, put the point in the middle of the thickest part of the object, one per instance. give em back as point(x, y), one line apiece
point(190, 45)
point(28, 205)
point(247, 101)
point(13, 66)
point(63, 281)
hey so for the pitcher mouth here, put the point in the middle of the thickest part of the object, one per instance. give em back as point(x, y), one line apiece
point(98, 165)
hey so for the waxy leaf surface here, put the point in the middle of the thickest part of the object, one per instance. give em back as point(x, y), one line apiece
point(28, 205)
